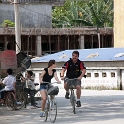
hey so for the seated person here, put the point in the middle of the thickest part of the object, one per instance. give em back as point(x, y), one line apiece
point(9, 82)
point(30, 87)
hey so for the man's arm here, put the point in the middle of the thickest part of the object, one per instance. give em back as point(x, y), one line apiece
point(83, 69)
point(1, 82)
point(14, 84)
point(83, 73)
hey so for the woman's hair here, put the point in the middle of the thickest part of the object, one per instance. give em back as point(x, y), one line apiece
point(51, 62)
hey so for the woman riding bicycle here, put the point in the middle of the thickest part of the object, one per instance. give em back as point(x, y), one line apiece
point(46, 76)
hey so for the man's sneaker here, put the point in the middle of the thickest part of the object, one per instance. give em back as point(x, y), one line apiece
point(67, 95)
point(33, 107)
point(78, 104)
point(42, 114)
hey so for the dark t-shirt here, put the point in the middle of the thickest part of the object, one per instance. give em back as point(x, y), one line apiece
point(47, 77)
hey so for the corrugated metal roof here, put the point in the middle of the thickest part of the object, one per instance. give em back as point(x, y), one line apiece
point(99, 54)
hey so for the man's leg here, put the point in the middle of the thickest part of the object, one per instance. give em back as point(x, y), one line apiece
point(67, 90)
point(32, 94)
point(27, 91)
point(78, 93)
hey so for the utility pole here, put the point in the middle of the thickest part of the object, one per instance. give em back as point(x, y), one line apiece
point(17, 26)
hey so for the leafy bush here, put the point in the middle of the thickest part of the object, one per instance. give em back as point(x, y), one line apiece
point(8, 23)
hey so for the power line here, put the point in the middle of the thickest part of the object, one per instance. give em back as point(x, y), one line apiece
point(34, 11)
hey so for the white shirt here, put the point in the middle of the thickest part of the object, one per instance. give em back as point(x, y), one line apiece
point(9, 82)
point(30, 84)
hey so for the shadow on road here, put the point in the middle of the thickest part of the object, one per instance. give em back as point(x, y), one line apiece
point(94, 108)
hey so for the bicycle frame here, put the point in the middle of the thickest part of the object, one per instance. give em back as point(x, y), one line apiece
point(51, 104)
point(72, 85)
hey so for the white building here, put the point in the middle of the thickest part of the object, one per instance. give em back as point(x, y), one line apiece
point(105, 66)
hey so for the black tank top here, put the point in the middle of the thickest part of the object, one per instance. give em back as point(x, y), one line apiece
point(47, 77)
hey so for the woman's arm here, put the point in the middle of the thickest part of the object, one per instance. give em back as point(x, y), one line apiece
point(41, 76)
point(56, 78)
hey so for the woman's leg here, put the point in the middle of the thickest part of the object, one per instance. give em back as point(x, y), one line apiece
point(43, 94)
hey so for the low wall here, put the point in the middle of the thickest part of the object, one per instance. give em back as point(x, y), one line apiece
point(96, 79)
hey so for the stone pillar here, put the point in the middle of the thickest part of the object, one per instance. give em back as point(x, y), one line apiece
point(118, 78)
point(5, 42)
point(38, 46)
point(118, 23)
point(81, 42)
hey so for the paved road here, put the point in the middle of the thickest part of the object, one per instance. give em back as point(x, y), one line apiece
point(98, 107)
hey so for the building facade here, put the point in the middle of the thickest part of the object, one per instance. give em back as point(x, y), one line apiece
point(40, 41)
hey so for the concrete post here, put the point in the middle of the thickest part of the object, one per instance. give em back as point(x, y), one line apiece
point(81, 42)
point(118, 78)
point(5, 42)
point(38, 46)
point(17, 26)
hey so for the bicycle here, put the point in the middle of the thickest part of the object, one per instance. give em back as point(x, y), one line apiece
point(51, 104)
point(20, 95)
point(9, 100)
point(72, 85)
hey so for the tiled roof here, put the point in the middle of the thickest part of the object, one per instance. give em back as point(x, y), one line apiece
point(99, 54)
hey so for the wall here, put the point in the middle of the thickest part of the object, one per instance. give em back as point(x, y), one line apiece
point(99, 74)
point(31, 15)
point(107, 78)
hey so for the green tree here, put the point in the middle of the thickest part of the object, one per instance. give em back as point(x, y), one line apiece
point(98, 13)
point(75, 13)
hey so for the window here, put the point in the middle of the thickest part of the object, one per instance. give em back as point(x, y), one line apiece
point(104, 74)
point(112, 74)
point(96, 74)
point(88, 74)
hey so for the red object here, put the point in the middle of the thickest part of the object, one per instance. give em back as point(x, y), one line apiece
point(8, 59)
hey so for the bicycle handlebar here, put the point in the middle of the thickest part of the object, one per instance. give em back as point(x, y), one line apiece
point(71, 79)
point(48, 82)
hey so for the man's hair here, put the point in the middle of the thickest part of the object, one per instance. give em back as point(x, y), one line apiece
point(30, 72)
point(51, 62)
point(9, 71)
point(75, 52)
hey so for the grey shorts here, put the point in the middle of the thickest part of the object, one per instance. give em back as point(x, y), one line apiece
point(71, 82)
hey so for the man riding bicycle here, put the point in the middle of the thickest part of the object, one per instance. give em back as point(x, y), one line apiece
point(75, 69)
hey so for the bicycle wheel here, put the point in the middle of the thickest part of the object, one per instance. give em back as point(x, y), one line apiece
point(20, 100)
point(46, 111)
point(53, 110)
point(73, 101)
point(10, 101)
